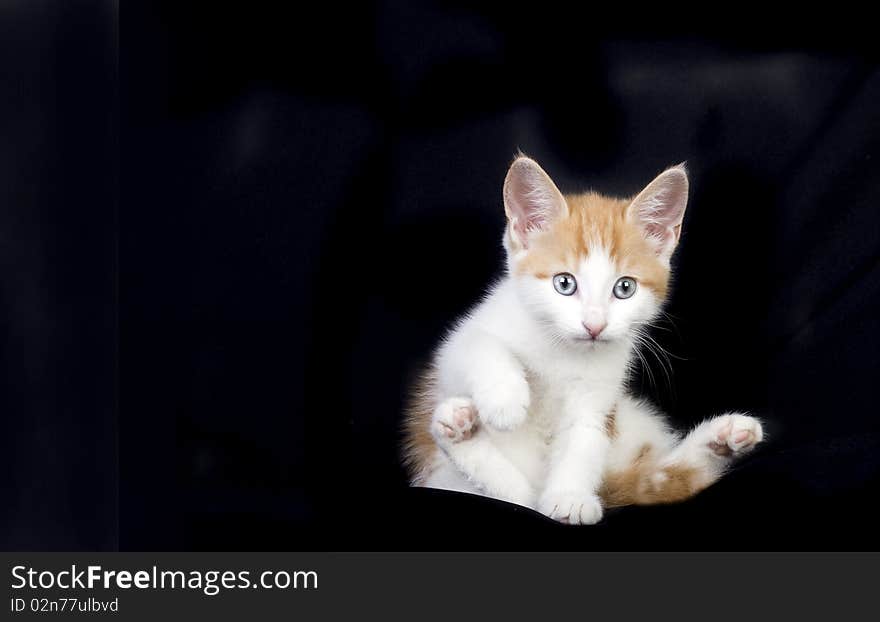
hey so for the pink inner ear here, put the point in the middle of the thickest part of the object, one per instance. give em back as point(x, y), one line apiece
point(524, 206)
point(530, 197)
point(660, 207)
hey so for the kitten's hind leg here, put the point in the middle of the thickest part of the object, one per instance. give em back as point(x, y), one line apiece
point(650, 465)
point(455, 428)
point(713, 445)
point(701, 458)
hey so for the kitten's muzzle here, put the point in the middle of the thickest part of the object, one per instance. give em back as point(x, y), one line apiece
point(594, 329)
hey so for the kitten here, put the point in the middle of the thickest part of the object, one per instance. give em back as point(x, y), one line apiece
point(525, 398)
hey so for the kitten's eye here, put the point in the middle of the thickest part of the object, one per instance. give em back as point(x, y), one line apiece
point(565, 283)
point(625, 287)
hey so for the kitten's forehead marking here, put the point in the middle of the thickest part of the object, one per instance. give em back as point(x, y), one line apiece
point(596, 271)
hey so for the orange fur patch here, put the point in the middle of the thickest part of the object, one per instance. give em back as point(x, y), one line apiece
point(419, 448)
point(643, 483)
point(591, 220)
point(611, 423)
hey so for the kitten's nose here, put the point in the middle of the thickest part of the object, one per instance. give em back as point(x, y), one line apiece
point(594, 328)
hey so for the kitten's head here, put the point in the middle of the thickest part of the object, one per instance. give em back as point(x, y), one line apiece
point(590, 268)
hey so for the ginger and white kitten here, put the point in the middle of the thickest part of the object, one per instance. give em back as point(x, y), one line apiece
point(525, 399)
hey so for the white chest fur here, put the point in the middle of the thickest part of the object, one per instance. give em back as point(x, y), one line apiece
point(567, 383)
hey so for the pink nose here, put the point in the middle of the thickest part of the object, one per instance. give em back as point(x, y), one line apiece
point(594, 328)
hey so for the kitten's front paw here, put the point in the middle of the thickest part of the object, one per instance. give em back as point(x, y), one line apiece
point(454, 420)
point(735, 434)
point(504, 404)
point(575, 508)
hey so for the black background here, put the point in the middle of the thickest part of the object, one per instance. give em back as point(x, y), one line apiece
point(309, 194)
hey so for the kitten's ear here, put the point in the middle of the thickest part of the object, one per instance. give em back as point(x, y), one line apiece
point(531, 200)
point(660, 209)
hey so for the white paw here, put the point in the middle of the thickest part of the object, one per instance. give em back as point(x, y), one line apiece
point(504, 404)
point(575, 508)
point(735, 434)
point(455, 420)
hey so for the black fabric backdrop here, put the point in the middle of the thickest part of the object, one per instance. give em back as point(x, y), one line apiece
point(309, 195)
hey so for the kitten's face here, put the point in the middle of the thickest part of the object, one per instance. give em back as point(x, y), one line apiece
point(589, 268)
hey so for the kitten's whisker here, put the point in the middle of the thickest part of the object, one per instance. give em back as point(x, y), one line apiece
point(646, 368)
point(643, 339)
point(669, 318)
point(659, 352)
point(666, 352)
